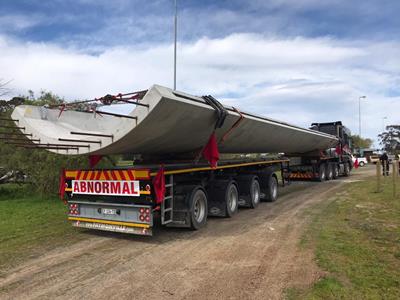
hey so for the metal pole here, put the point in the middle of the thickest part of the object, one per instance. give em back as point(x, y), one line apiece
point(394, 171)
point(359, 114)
point(359, 117)
point(175, 39)
point(378, 176)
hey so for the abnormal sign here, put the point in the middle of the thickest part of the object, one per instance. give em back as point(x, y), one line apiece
point(106, 187)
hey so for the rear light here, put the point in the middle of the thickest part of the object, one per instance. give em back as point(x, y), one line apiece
point(73, 209)
point(148, 188)
point(144, 214)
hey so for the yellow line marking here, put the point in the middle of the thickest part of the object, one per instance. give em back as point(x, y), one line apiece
point(109, 222)
point(219, 168)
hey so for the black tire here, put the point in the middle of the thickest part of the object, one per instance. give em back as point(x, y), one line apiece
point(335, 170)
point(271, 193)
point(322, 172)
point(346, 169)
point(249, 190)
point(198, 208)
point(231, 199)
point(329, 172)
point(361, 164)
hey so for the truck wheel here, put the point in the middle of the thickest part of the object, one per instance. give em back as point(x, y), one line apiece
point(231, 199)
point(255, 192)
point(361, 164)
point(335, 170)
point(249, 190)
point(322, 172)
point(271, 194)
point(198, 208)
point(329, 172)
point(346, 171)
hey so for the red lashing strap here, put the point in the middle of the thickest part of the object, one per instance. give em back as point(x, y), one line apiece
point(210, 151)
point(61, 187)
point(235, 125)
point(94, 160)
point(159, 185)
point(63, 107)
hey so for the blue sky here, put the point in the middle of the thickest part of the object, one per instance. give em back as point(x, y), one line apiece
point(310, 57)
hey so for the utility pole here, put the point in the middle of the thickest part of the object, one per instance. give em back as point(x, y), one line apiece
point(359, 114)
point(175, 37)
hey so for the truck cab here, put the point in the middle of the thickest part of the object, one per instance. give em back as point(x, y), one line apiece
point(324, 164)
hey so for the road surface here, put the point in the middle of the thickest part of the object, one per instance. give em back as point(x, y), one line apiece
point(254, 255)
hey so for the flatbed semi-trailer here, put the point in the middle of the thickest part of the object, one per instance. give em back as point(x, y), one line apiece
point(181, 195)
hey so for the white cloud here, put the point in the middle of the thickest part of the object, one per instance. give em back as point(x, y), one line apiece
point(19, 22)
point(300, 80)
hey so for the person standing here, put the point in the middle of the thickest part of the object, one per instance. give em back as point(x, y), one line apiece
point(385, 164)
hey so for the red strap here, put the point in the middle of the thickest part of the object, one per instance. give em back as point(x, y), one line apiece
point(63, 107)
point(159, 185)
point(236, 124)
point(61, 187)
point(94, 160)
point(210, 151)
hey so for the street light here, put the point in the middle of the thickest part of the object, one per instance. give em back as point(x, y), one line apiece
point(383, 123)
point(175, 38)
point(359, 114)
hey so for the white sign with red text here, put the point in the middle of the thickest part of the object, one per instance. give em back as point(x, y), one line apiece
point(106, 187)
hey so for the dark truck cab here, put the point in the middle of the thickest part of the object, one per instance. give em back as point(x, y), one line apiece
point(326, 164)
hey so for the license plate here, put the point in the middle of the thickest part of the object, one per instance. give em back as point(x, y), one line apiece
point(109, 211)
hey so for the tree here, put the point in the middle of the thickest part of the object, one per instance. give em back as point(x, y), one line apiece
point(390, 139)
point(359, 142)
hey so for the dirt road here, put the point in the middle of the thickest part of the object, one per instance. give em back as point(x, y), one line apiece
point(254, 255)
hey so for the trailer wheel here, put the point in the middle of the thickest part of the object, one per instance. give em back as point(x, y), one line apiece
point(335, 172)
point(272, 190)
point(198, 208)
point(231, 199)
point(329, 172)
point(249, 190)
point(346, 171)
point(255, 192)
point(322, 172)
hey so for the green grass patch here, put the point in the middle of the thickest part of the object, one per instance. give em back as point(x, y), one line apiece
point(30, 225)
point(356, 239)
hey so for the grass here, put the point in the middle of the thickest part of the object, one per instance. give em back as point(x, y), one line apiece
point(356, 239)
point(30, 225)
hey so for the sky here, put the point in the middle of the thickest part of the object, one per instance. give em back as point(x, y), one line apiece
point(298, 61)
